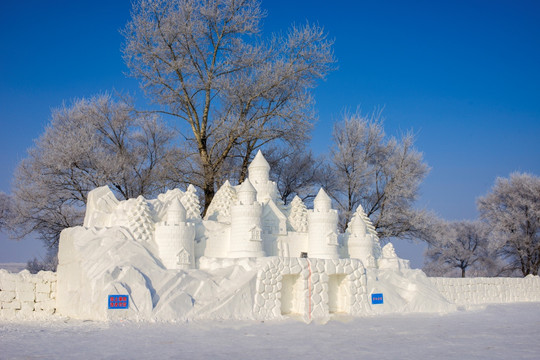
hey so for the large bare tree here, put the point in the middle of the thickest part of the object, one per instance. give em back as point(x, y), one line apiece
point(91, 143)
point(206, 64)
point(512, 209)
point(297, 172)
point(381, 174)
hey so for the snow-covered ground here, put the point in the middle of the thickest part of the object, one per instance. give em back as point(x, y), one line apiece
point(498, 332)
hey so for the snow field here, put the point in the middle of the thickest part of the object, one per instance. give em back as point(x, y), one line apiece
point(496, 332)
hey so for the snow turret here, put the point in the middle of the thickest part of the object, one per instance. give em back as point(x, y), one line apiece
point(357, 226)
point(246, 229)
point(322, 233)
point(322, 201)
point(360, 240)
point(176, 213)
point(175, 238)
point(259, 169)
point(247, 193)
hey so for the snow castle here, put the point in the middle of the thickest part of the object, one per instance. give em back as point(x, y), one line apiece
point(251, 257)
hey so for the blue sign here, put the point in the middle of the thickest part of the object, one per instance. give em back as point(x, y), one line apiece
point(377, 298)
point(118, 301)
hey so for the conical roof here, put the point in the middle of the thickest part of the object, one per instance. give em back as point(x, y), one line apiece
point(176, 212)
point(259, 161)
point(322, 201)
point(246, 187)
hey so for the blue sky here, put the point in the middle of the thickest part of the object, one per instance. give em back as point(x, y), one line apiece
point(463, 75)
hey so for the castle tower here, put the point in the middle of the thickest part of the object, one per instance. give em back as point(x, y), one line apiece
point(360, 240)
point(246, 230)
point(259, 169)
point(176, 213)
point(322, 233)
point(259, 176)
point(175, 238)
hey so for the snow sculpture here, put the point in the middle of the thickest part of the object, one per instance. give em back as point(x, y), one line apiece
point(220, 207)
point(390, 260)
point(246, 230)
point(362, 238)
point(250, 258)
point(100, 205)
point(174, 238)
point(190, 200)
point(323, 235)
point(259, 173)
point(140, 220)
point(298, 216)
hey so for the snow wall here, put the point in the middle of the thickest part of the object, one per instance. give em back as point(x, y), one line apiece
point(27, 296)
point(479, 291)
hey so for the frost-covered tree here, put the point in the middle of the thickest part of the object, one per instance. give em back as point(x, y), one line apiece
point(461, 245)
point(382, 174)
point(297, 172)
point(49, 263)
point(5, 209)
point(512, 210)
point(93, 142)
point(206, 64)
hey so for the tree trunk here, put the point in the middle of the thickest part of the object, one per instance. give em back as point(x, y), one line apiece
point(245, 163)
point(209, 193)
point(209, 179)
point(462, 272)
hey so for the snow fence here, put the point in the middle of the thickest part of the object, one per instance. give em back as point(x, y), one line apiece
point(27, 296)
point(483, 290)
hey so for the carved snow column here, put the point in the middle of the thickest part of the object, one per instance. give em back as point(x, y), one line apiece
point(360, 242)
point(259, 171)
point(175, 238)
point(246, 230)
point(322, 233)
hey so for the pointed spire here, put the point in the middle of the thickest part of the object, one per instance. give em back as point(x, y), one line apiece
point(259, 161)
point(247, 186)
point(259, 169)
point(322, 201)
point(176, 213)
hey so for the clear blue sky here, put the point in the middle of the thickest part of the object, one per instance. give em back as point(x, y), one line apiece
point(464, 75)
